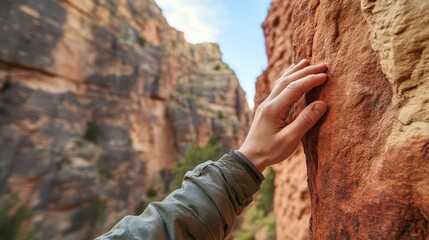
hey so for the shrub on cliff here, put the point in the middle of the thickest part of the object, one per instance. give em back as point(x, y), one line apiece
point(13, 214)
point(256, 223)
point(258, 219)
point(194, 156)
point(266, 193)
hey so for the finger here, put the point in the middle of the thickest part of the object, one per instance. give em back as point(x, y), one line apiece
point(295, 68)
point(313, 69)
point(287, 70)
point(292, 69)
point(301, 64)
point(305, 120)
point(295, 90)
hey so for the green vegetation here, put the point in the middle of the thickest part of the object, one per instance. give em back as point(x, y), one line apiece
point(64, 161)
point(266, 192)
point(140, 207)
point(244, 235)
point(220, 115)
point(255, 221)
point(92, 133)
point(95, 215)
point(79, 143)
point(180, 91)
point(259, 216)
point(97, 210)
point(141, 41)
point(194, 156)
point(216, 67)
point(12, 215)
point(130, 143)
point(151, 193)
point(103, 170)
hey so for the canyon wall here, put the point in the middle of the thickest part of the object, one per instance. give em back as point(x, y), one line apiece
point(291, 198)
point(97, 100)
point(368, 159)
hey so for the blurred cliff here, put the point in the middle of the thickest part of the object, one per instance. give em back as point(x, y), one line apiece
point(98, 99)
point(368, 159)
point(291, 198)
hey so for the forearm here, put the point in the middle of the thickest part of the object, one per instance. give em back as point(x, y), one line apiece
point(206, 207)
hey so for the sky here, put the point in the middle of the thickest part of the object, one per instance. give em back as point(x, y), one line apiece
point(234, 24)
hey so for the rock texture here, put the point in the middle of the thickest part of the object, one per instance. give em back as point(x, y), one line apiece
point(97, 100)
point(367, 161)
point(291, 198)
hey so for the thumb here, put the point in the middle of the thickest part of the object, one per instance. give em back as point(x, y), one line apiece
point(307, 119)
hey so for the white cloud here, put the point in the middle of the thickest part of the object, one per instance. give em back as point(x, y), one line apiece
point(250, 103)
point(199, 20)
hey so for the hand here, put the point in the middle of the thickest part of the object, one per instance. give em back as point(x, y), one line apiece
point(270, 139)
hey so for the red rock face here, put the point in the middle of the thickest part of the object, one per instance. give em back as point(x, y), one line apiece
point(291, 198)
point(278, 41)
point(368, 159)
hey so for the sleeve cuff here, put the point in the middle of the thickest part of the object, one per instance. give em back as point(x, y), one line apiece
point(248, 165)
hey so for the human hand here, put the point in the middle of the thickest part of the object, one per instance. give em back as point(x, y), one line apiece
point(271, 139)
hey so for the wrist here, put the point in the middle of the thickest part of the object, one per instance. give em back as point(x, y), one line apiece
point(258, 162)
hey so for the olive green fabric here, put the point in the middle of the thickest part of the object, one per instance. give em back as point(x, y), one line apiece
point(206, 207)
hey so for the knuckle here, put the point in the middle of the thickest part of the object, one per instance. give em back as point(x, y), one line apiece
point(261, 106)
point(285, 79)
point(314, 79)
point(282, 80)
point(307, 120)
point(312, 76)
point(295, 86)
point(268, 109)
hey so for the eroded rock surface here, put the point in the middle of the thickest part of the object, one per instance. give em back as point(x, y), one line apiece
point(291, 198)
point(367, 161)
point(97, 100)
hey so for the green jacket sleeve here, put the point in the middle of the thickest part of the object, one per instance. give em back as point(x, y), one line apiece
point(206, 207)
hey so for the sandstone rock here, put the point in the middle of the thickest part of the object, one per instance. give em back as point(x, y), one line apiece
point(97, 100)
point(291, 198)
point(367, 159)
point(278, 41)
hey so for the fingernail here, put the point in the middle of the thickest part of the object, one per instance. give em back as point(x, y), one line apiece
point(319, 109)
